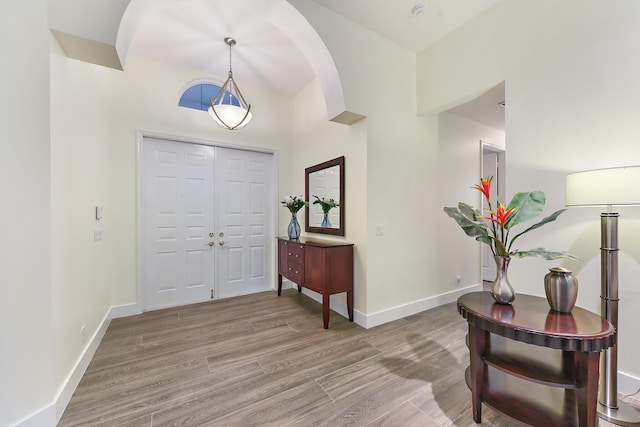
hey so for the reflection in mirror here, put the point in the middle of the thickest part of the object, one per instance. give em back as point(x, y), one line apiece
point(325, 182)
point(324, 187)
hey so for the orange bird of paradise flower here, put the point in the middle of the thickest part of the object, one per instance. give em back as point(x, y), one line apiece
point(501, 215)
point(485, 187)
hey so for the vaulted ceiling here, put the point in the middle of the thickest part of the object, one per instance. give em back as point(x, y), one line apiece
point(190, 32)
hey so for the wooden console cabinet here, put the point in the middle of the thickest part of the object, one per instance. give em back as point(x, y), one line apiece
point(322, 266)
point(536, 366)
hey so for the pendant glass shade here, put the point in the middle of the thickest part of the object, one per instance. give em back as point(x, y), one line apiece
point(229, 108)
point(229, 115)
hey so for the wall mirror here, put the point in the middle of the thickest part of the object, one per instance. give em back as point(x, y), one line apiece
point(325, 180)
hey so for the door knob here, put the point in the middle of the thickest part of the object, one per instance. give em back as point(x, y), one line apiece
point(221, 242)
point(221, 234)
point(209, 244)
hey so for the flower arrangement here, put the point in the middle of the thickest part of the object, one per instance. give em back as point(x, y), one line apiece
point(294, 203)
point(494, 229)
point(326, 203)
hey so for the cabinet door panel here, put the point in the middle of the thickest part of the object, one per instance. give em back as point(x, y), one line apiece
point(282, 257)
point(314, 268)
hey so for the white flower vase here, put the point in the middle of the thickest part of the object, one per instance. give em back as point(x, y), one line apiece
point(325, 221)
point(293, 231)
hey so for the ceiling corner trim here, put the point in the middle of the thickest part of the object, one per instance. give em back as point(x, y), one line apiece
point(347, 118)
point(87, 50)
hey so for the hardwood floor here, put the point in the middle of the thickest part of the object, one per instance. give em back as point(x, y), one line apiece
point(264, 360)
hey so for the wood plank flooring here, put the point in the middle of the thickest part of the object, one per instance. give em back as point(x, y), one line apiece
point(264, 360)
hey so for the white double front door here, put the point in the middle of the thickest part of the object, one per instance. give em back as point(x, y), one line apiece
point(207, 222)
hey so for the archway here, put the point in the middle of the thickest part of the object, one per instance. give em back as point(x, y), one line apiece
point(283, 16)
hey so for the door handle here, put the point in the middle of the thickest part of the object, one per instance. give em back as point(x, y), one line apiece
point(221, 242)
point(209, 244)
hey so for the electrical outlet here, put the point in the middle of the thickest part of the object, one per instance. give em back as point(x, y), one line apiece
point(83, 332)
point(458, 279)
point(379, 230)
point(97, 234)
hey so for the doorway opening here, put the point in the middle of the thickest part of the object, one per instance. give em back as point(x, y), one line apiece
point(492, 159)
point(488, 110)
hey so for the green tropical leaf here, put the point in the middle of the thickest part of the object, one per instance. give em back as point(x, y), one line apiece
point(501, 250)
point(543, 253)
point(485, 238)
point(526, 205)
point(464, 215)
point(544, 221)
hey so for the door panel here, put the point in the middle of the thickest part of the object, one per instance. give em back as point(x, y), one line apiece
point(246, 193)
point(190, 191)
point(178, 266)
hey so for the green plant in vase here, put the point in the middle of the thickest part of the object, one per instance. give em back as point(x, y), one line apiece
point(326, 204)
point(495, 230)
point(294, 204)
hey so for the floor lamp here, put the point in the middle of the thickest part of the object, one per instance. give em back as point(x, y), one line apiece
point(608, 187)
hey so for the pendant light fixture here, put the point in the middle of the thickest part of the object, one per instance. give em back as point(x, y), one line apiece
point(229, 108)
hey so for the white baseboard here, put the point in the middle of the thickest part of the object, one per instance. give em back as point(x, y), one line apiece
point(118, 311)
point(404, 310)
point(46, 417)
point(628, 385)
point(50, 415)
point(73, 379)
point(389, 315)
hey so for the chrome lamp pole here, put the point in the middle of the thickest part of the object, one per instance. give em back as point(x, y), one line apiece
point(616, 186)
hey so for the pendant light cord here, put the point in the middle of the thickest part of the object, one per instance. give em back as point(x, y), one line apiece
point(230, 68)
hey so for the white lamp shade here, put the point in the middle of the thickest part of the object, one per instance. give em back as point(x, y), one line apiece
point(615, 186)
point(231, 115)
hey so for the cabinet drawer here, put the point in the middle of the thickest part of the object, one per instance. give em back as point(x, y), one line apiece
point(295, 254)
point(294, 273)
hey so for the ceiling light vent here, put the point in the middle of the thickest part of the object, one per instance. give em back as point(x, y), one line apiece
point(419, 9)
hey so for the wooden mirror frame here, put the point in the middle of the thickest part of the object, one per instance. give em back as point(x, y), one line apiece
point(328, 164)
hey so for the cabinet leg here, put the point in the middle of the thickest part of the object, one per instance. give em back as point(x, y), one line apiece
point(279, 284)
point(587, 372)
point(299, 288)
point(350, 305)
point(478, 340)
point(325, 310)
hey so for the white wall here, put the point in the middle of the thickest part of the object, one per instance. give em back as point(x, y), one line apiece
point(25, 213)
point(459, 155)
point(82, 270)
point(318, 140)
point(573, 100)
